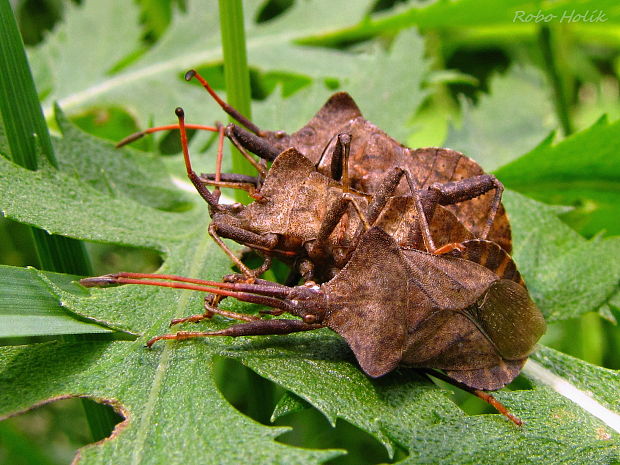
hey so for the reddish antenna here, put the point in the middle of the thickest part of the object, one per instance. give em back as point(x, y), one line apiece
point(225, 106)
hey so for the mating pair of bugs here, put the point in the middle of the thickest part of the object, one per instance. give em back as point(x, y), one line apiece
point(404, 253)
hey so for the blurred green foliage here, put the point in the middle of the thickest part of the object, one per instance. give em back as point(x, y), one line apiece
point(571, 73)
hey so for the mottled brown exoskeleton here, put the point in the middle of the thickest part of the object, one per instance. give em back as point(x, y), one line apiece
point(373, 154)
point(466, 313)
point(313, 222)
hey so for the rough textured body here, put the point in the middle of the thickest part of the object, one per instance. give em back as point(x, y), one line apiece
point(373, 153)
point(295, 206)
point(446, 312)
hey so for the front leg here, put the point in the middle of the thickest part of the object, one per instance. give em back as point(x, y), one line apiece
point(334, 214)
point(263, 242)
point(454, 192)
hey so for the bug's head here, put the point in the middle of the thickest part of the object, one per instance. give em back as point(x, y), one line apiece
point(308, 302)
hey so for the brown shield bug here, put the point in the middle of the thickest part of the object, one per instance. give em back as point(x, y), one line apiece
point(466, 313)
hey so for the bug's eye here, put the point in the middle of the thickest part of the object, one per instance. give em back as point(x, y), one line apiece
point(309, 319)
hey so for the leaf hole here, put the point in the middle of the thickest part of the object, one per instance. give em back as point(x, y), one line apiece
point(251, 394)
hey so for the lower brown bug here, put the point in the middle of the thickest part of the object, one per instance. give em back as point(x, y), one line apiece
point(468, 315)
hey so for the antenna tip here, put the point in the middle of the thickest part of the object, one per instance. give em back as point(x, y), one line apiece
point(179, 112)
point(190, 74)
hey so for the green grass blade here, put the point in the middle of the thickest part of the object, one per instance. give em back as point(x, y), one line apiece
point(19, 102)
point(236, 72)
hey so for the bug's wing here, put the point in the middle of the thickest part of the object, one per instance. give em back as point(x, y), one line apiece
point(368, 303)
point(510, 318)
point(288, 170)
point(450, 283)
point(400, 220)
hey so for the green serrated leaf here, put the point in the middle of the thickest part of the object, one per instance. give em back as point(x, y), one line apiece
point(386, 85)
point(401, 410)
point(288, 403)
point(151, 386)
point(511, 17)
point(583, 171)
point(175, 413)
point(122, 173)
point(271, 46)
point(562, 269)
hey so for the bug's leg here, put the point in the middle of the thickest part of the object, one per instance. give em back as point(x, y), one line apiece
point(232, 178)
point(450, 193)
point(253, 140)
point(422, 215)
point(266, 242)
point(234, 181)
point(232, 135)
point(261, 177)
point(447, 248)
point(379, 200)
point(211, 308)
point(240, 278)
point(340, 159)
point(453, 192)
point(333, 216)
point(384, 192)
point(264, 266)
point(251, 328)
point(263, 292)
point(255, 144)
point(218, 160)
point(333, 174)
point(485, 396)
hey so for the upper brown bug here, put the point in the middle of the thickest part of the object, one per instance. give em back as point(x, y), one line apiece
point(469, 315)
point(313, 222)
point(373, 153)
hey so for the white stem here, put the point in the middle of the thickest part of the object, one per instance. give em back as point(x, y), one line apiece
point(563, 387)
